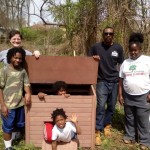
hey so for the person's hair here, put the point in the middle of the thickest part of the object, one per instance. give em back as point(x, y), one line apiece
point(58, 112)
point(58, 85)
point(12, 52)
point(13, 33)
point(108, 27)
point(136, 38)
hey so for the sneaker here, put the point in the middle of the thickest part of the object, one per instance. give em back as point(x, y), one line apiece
point(143, 147)
point(107, 130)
point(97, 138)
point(9, 148)
point(128, 141)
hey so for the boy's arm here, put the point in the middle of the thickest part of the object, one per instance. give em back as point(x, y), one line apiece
point(54, 145)
point(4, 108)
point(27, 95)
point(74, 120)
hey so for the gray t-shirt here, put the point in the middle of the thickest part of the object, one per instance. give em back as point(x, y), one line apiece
point(3, 55)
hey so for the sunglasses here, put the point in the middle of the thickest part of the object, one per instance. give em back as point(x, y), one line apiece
point(108, 33)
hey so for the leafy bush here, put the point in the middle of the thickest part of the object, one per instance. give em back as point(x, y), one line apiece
point(29, 34)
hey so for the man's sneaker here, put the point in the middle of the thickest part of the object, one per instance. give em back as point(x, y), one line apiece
point(107, 130)
point(129, 141)
point(97, 138)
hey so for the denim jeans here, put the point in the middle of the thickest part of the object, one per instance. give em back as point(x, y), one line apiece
point(106, 94)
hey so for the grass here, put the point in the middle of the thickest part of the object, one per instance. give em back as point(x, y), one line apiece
point(113, 143)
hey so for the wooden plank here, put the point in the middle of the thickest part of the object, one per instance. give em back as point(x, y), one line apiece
point(60, 99)
point(38, 132)
point(60, 146)
point(34, 119)
point(48, 69)
point(44, 114)
point(41, 123)
point(61, 105)
point(69, 110)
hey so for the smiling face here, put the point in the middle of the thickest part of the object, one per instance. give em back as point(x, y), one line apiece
point(108, 35)
point(134, 51)
point(60, 121)
point(61, 92)
point(16, 40)
point(16, 60)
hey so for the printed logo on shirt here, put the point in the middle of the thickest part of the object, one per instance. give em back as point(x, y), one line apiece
point(134, 72)
point(114, 54)
point(132, 68)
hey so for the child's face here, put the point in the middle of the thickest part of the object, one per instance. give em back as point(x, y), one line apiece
point(60, 121)
point(134, 51)
point(16, 60)
point(62, 92)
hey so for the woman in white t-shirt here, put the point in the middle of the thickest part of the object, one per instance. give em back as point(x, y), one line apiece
point(63, 131)
point(134, 87)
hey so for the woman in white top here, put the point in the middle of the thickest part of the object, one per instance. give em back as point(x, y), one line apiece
point(134, 87)
point(15, 38)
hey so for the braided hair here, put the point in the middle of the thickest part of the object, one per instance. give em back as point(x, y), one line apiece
point(12, 52)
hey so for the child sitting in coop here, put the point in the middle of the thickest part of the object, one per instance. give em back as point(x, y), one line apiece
point(59, 88)
point(63, 131)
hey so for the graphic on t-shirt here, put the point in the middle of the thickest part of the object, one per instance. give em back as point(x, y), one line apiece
point(132, 68)
point(114, 53)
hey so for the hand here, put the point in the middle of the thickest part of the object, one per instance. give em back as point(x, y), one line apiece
point(96, 57)
point(36, 53)
point(74, 118)
point(28, 99)
point(121, 100)
point(41, 95)
point(148, 98)
point(4, 110)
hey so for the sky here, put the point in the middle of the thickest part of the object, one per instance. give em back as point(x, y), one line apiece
point(35, 19)
point(35, 8)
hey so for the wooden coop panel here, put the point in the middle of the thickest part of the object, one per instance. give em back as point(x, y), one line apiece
point(72, 70)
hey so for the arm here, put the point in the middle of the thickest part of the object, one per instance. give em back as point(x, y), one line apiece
point(27, 95)
point(121, 100)
point(74, 120)
point(4, 108)
point(148, 97)
point(36, 53)
point(54, 145)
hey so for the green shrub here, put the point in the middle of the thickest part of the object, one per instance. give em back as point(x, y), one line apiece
point(29, 34)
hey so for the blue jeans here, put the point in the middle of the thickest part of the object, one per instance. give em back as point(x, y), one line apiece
point(106, 93)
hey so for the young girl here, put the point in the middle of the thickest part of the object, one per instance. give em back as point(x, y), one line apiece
point(13, 79)
point(63, 131)
point(134, 87)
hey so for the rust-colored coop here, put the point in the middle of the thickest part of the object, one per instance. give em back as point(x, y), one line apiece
point(80, 74)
